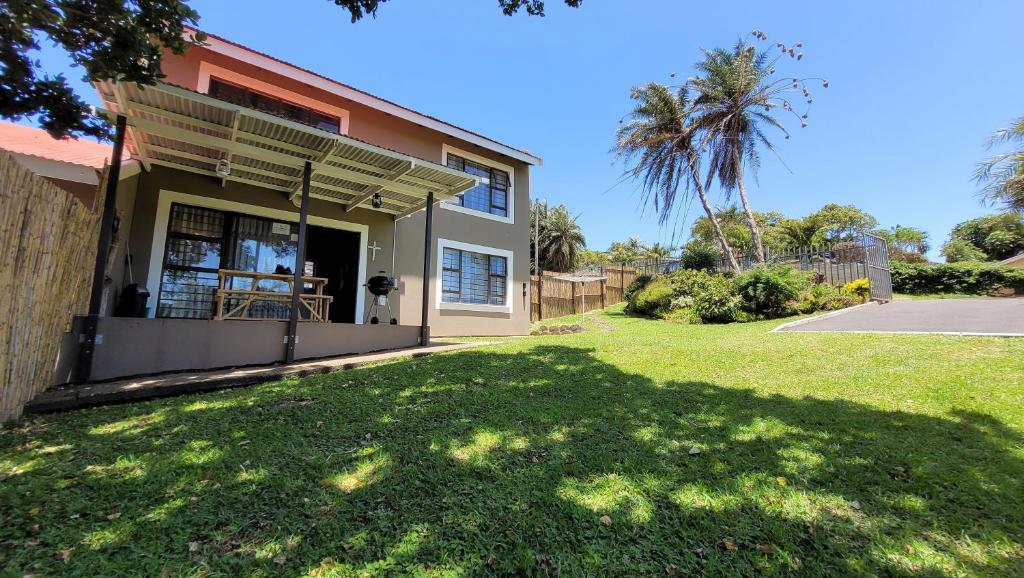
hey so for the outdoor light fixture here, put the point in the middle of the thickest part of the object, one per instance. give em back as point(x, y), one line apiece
point(377, 201)
point(223, 167)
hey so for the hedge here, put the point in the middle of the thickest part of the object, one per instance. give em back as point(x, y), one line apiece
point(965, 277)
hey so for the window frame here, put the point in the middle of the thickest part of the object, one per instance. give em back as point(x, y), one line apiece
point(208, 70)
point(280, 101)
point(439, 302)
point(510, 193)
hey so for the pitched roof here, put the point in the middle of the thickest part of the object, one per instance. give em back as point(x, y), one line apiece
point(384, 104)
point(37, 142)
point(1014, 259)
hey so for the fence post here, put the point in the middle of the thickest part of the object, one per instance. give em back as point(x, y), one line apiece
point(602, 289)
point(540, 294)
point(572, 285)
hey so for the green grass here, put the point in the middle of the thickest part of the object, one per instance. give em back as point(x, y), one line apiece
point(820, 454)
point(923, 296)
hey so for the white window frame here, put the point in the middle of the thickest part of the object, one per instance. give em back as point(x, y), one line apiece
point(510, 199)
point(165, 198)
point(443, 244)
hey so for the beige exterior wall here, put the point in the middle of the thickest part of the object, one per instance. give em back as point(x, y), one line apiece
point(384, 130)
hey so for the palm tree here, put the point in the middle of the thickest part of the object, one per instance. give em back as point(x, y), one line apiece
point(1002, 176)
point(658, 253)
point(561, 240)
point(663, 141)
point(801, 233)
point(736, 98)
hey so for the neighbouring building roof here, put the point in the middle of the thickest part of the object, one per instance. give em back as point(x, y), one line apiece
point(1019, 257)
point(247, 54)
point(36, 142)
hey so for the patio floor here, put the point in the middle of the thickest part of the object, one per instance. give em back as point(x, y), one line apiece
point(69, 397)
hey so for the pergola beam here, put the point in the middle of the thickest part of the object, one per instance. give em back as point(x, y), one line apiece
point(402, 170)
point(323, 156)
point(283, 159)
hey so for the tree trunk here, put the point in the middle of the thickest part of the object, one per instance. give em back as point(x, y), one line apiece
point(755, 231)
point(726, 249)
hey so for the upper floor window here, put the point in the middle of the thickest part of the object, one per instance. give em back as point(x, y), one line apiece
point(245, 97)
point(491, 195)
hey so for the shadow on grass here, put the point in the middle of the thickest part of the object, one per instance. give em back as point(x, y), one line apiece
point(488, 463)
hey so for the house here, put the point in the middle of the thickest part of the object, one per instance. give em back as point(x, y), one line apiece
point(1016, 262)
point(269, 195)
point(72, 164)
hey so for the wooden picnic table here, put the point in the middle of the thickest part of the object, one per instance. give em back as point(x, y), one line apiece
point(241, 301)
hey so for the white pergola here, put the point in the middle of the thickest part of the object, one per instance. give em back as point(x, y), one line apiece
point(178, 128)
point(171, 126)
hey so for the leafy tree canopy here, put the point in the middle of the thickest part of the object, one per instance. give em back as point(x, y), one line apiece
point(995, 236)
point(123, 40)
point(839, 220)
point(905, 243)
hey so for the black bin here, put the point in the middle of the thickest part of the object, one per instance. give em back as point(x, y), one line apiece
point(132, 302)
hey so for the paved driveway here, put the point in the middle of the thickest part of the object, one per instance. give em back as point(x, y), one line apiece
point(981, 315)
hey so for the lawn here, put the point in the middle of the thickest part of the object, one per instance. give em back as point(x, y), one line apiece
point(637, 448)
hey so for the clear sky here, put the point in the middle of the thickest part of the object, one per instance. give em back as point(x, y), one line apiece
point(915, 89)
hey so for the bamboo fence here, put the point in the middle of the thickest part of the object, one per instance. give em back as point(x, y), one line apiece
point(564, 297)
point(47, 241)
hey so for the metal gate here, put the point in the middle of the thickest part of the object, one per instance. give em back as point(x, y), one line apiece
point(876, 261)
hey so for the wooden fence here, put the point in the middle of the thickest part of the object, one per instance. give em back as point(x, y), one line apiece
point(563, 294)
point(47, 245)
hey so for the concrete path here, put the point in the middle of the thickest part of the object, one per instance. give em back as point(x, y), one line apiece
point(167, 384)
point(983, 316)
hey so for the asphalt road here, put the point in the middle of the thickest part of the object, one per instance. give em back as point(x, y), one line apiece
point(981, 315)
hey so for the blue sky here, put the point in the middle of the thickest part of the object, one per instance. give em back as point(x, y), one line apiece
point(915, 89)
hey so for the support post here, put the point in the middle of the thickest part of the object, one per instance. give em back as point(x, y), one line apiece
point(300, 265)
point(427, 234)
point(603, 299)
point(99, 274)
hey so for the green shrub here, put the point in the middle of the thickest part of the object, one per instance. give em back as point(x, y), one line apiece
point(654, 300)
point(715, 302)
point(859, 287)
point(699, 256)
point(684, 315)
point(822, 297)
point(766, 291)
point(967, 277)
point(688, 282)
point(638, 283)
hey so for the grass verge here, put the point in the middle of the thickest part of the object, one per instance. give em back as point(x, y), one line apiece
point(648, 449)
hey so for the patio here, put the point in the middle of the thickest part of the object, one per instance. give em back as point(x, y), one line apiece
point(175, 128)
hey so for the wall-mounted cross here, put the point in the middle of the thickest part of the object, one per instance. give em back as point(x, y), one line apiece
point(374, 247)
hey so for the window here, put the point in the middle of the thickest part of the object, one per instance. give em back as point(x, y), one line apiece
point(473, 278)
point(195, 241)
point(491, 195)
point(201, 241)
point(273, 105)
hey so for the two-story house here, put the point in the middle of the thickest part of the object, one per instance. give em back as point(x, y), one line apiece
point(254, 173)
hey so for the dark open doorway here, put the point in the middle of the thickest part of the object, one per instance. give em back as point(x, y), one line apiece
point(335, 255)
